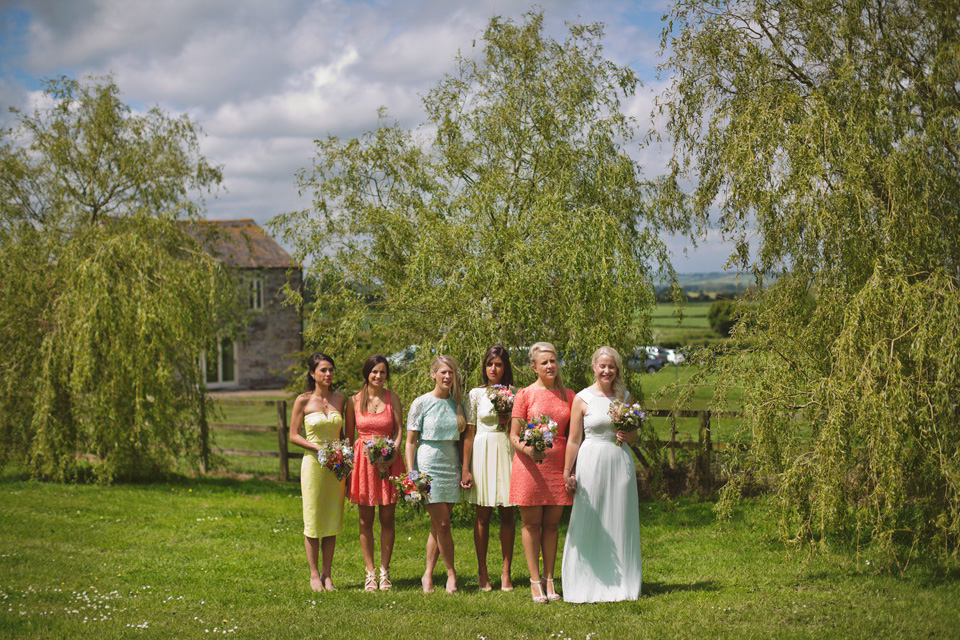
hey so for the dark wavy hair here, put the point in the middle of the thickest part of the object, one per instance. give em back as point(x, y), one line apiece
point(368, 366)
point(497, 351)
point(313, 361)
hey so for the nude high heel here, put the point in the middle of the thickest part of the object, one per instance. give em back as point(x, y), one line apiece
point(554, 595)
point(539, 589)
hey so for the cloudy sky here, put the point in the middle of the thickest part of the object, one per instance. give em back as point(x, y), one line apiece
point(266, 78)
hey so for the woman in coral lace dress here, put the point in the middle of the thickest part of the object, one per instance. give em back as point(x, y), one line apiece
point(536, 483)
point(372, 413)
point(319, 413)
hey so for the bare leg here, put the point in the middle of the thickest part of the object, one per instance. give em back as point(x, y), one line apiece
point(327, 545)
point(530, 534)
point(481, 539)
point(387, 536)
point(549, 539)
point(508, 534)
point(366, 535)
point(388, 533)
point(432, 555)
point(440, 526)
point(312, 545)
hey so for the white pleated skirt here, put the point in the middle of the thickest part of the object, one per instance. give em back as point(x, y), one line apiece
point(492, 459)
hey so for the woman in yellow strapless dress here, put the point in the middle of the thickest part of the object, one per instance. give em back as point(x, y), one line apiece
point(319, 412)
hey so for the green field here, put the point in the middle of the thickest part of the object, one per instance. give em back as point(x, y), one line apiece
point(191, 558)
point(692, 328)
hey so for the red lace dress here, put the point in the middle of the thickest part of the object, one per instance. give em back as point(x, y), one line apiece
point(366, 486)
point(541, 484)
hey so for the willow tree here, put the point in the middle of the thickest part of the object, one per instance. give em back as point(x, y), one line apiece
point(823, 138)
point(513, 214)
point(105, 301)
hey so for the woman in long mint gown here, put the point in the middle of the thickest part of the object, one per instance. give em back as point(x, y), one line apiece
point(601, 555)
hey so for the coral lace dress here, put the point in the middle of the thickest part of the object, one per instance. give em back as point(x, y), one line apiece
point(367, 488)
point(533, 484)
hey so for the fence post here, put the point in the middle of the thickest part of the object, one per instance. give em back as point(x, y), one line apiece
point(704, 461)
point(673, 441)
point(282, 436)
point(204, 437)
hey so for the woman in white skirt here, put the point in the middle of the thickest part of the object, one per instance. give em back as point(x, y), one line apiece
point(487, 459)
point(601, 555)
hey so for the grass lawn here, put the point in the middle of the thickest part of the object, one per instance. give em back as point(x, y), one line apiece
point(196, 557)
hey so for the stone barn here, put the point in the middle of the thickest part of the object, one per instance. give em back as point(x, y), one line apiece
point(273, 339)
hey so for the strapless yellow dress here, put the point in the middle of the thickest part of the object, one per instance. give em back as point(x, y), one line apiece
point(322, 492)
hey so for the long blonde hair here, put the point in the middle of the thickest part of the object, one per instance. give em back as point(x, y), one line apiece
point(546, 347)
point(456, 390)
point(619, 386)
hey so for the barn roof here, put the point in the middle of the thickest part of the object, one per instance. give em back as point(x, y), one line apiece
point(241, 244)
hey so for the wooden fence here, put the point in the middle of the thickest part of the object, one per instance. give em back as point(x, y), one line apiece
point(704, 445)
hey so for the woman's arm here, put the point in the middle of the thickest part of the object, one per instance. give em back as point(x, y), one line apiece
point(296, 423)
point(574, 438)
point(339, 403)
point(397, 428)
point(466, 477)
point(350, 421)
point(410, 450)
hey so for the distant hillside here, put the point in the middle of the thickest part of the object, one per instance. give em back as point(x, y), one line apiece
point(711, 282)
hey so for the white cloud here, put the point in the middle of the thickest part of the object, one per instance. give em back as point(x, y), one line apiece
point(266, 77)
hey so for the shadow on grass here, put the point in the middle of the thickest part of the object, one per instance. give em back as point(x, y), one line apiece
point(653, 589)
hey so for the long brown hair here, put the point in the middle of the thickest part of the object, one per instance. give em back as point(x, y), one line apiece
point(313, 361)
point(497, 351)
point(368, 366)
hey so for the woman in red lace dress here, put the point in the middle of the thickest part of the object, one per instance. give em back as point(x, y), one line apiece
point(536, 483)
point(374, 412)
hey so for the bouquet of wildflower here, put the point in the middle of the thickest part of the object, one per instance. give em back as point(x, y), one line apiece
point(539, 433)
point(414, 486)
point(379, 450)
point(626, 417)
point(502, 397)
point(336, 456)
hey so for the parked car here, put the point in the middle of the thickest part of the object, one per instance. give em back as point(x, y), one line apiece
point(403, 358)
point(675, 356)
point(643, 361)
point(668, 356)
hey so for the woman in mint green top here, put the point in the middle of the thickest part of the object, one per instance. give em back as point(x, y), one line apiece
point(434, 425)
